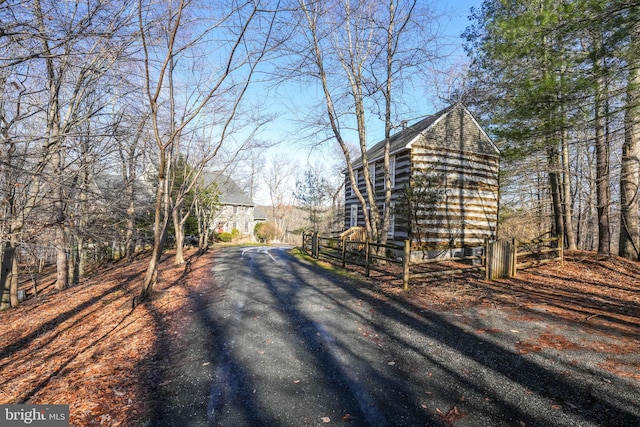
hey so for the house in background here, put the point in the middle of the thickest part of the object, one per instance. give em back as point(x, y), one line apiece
point(237, 210)
point(444, 180)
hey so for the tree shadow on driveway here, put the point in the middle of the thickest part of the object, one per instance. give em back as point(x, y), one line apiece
point(499, 371)
point(298, 339)
point(193, 381)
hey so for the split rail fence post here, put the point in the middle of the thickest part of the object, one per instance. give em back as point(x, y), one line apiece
point(561, 247)
point(514, 258)
point(367, 257)
point(344, 252)
point(406, 260)
point(314, 245)
point(487, 262)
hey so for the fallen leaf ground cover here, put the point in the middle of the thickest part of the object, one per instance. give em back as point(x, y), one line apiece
point(597, 296)
point(86, 347)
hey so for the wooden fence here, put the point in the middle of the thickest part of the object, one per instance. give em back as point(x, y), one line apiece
point(537, 252)
point(495, 258)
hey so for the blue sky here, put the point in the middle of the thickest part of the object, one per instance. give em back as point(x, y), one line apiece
point(454, 20)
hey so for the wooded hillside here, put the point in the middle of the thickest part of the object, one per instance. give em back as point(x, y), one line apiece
point(558, 84)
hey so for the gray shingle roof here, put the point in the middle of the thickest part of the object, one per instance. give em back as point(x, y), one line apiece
point(230, 192)
point(399, 141)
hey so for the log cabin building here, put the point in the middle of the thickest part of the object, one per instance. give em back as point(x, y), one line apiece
point(444, 178)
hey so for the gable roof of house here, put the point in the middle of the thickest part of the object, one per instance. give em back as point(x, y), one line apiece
point(230, 192)
point(403, 139)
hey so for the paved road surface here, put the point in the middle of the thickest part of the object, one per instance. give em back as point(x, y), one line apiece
point(292, 345)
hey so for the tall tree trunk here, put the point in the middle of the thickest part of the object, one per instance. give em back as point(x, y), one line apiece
point(14, 276)
point(554, 185)
point(151, 275)
point(569, 234)
point(8, 252)
point(61, 237)
point(178, 226)
point(129, 153)
point(391, 46)
point(54, 144)
point(82, 258)
point(592, 217)
point(8, 255)
point(567, 200)
point(74, 258)
point(161, 219)
point(603, 197)
point(129, 245)
point(630, 168)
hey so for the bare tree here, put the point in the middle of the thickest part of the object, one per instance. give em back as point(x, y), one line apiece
point(130, 137)
point(77, 47)
point(199, 61)
point(56, 53)
point(277, 177)
point(361, 53)
point(13, 212)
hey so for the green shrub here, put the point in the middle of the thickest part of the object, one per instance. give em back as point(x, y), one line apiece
point(265, 231)
point(235, 233)
point(225, 237)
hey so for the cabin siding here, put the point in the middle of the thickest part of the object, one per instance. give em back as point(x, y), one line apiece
point(453, 169)
point(462, 167)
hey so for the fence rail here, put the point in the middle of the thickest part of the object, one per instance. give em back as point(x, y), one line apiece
point(495, 258)
point(537, 248)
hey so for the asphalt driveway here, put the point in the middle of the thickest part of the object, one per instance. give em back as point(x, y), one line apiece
point(291, 344)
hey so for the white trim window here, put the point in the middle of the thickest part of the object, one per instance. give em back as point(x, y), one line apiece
point(392, 171)
point(355, 176)
point(353, 216)
point(372, 174)
point(352, 191)
point(392, 220)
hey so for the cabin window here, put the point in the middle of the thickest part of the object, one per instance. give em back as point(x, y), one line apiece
point(392, 219)
point(372, 175)
point(355, 175)
point(392, 170)
point(353, 217)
